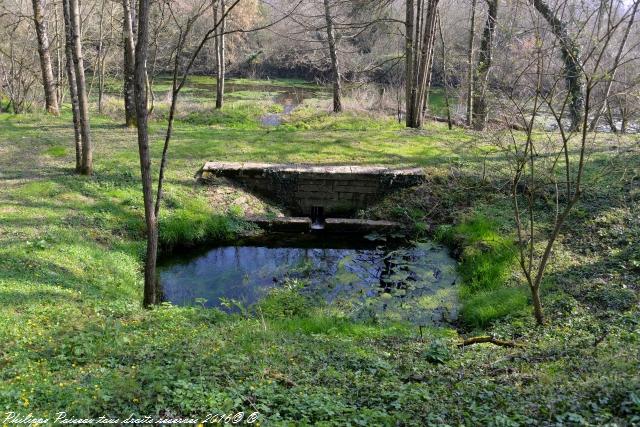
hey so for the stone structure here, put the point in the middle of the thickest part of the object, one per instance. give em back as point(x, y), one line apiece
point(331, 225)
point(284, 224)
point(316, 190)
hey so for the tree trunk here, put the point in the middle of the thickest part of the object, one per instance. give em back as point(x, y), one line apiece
point(570, 50)
point(60, 68)
point(485, 59)
point(73, 88)
point(220, 57)
point(140, 73)
point(86, 167)
point(423, 64)
point(129, 66)
point(537, 305)
point(623, 116)
point(98, 65)
point(409, 65)
point(50, 98)
point(610, 119)
point(331, 39)
point(470, 66)
point(427, 92)
point(444, 73)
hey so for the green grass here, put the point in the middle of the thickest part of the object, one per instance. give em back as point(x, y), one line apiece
point(488, 259)
point(193, 221)
point(75, 337)
point(480, 308)
point(57, 151)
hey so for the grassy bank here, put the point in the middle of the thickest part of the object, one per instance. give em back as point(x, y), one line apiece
point(75, 337)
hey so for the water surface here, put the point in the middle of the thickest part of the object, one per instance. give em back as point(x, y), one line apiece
point(338, 270)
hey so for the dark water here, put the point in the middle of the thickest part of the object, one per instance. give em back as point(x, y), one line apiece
point(335, 269)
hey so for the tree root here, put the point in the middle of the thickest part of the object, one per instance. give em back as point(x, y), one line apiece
point(490, 340)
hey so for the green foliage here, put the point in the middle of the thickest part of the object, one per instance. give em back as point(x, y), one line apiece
point(309, 119)
point(438, 352)
point(235, 116)
point(487, 254)
point(612, 297)
point(480, 308)
point(194, 221)
point(284, 302)
point(487, 260)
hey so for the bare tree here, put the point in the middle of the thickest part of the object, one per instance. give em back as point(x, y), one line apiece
point(570, 52)
point(443, 45)
point(48, 83)
point(544, 169)
point(71, 8)
point(220, 48)
point(17, 78)
point(335, 68)
point(485, 60)
point(420, 27)
point(152, 208)
point(104, 42)
point(470, 64)
point(410, 45)
point(611, 75)
point(140, 73)
point(128, 65)
point(182, 67)
point(59, 52)
point(73, 86)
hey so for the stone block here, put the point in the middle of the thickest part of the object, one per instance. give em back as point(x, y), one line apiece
point(349, 225)
point(283, 224)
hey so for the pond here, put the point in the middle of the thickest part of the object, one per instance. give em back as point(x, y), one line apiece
point(410, 281)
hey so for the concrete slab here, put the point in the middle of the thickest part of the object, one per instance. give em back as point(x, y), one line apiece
point(283, 224)
point(350, 225)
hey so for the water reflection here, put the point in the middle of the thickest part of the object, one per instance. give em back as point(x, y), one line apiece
point(419, 275)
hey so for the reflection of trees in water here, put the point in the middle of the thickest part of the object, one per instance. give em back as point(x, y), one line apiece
point(397, 273)
point(366, 264)
point(245, 273)
point(386, 271)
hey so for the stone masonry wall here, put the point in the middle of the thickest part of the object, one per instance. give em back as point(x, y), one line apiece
point(339, 190)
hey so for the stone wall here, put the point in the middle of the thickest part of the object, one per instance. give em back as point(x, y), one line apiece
point(338, 190)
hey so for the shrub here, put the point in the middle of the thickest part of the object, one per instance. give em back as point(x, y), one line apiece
point(284, 302)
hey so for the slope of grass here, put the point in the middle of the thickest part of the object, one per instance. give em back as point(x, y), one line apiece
point(488, 259)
